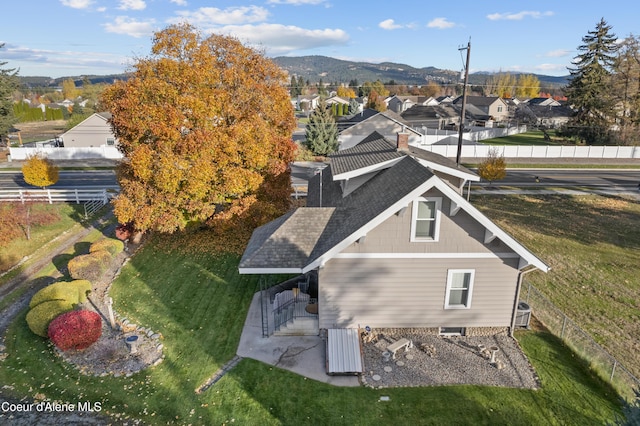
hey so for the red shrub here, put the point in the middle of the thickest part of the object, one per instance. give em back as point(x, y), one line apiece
point(75, 330)
point(124, 231)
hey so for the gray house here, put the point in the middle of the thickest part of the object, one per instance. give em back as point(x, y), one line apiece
point(388, 240)
point(386, 123)
point(494, 107)
point(95, 131)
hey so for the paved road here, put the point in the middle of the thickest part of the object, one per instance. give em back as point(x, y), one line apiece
point(68, 179)
point(592, 178)
point(301, 172)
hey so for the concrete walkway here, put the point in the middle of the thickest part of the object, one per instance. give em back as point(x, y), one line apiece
point(303, 355)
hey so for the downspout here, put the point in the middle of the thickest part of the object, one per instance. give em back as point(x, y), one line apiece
point(517, 300)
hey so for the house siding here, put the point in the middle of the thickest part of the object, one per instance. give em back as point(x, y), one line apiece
point(458, 234)
point(383, 125)
point(398, 293)
point(92, 132)
point(385, 280)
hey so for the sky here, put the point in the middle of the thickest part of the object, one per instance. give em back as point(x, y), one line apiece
point(59, 38)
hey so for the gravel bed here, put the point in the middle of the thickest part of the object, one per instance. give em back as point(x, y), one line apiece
point(451, 360)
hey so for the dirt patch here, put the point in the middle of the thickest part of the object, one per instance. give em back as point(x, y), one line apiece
point(38, 130)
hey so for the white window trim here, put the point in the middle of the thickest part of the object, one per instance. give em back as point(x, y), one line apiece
point(450, 274)
point(414, 216)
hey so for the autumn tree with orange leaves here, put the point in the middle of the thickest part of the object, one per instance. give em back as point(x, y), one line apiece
point(205, 126)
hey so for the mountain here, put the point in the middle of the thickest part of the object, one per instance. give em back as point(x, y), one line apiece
point(40, 81)
point(331, 70)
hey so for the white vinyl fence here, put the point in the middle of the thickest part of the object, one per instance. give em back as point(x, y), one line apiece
point(529, 151)
point(56, 195)
point(53, 153)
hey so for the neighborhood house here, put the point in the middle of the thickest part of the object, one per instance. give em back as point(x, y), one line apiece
point(95, 131)
point(387, 240)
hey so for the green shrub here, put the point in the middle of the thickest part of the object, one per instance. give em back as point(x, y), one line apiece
point(114, 247)
point(39, 317)
point(89, 266)
point(74, 292)
point(75, 330)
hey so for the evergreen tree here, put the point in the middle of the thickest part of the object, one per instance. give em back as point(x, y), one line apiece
point(8, 84)
point(322, 90)
point(353, 107)
point(589, 88)
point(626, 87)
point(322, 132)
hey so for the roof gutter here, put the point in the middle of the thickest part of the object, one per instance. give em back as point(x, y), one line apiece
point(521, 275)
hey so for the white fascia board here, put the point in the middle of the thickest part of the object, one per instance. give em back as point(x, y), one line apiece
point(449, 170)
point(365, 170)
point(388, 212)
point(246, 271)
point(423, 255)
point(491, 227)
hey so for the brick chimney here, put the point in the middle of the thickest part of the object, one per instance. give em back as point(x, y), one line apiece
point(403, 141)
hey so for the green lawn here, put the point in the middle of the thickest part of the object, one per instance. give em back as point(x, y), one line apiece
point(592, 244)
point(12, 253)
point(199, 304)
point(527, 138)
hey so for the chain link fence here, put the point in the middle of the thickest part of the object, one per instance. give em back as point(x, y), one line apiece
point(582, 343)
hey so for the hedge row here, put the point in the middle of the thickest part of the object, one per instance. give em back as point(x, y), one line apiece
point(114, 247)
point(91, 266)
point(52, 311)
point(39, 317)
point(74, 292)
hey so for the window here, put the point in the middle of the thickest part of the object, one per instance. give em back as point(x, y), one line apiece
point(499, 108)
point(111, 141)
point(459, 289)
point(425, 225)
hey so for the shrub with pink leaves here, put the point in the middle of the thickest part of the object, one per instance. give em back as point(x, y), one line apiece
point(75, 330)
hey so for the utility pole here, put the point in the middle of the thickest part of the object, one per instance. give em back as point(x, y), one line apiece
point(464, 100)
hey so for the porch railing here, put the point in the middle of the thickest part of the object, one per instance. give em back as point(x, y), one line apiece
point(273, 319)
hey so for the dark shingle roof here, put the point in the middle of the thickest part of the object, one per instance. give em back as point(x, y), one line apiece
point(373, 149)
point(287, 241)
point(302, 236)
point(360, 207)
point(437, 159)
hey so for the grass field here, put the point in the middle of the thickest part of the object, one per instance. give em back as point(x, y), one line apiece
point(527, 138)
point(12, 253)
point(592, 245)
point(199, 303)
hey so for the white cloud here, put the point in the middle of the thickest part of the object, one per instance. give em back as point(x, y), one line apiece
point(32, 61)
point(551, 68)
point(179, 2)
point(389, 24)
point(77, 4)
point(132, 27)
point(209, 16)
point(277, 39)
point(132, 5)
point(295, 2)
point(557, 53)
point(440, 23)
point(517, 16)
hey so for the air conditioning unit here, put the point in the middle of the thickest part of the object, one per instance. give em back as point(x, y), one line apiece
point(523, 315)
